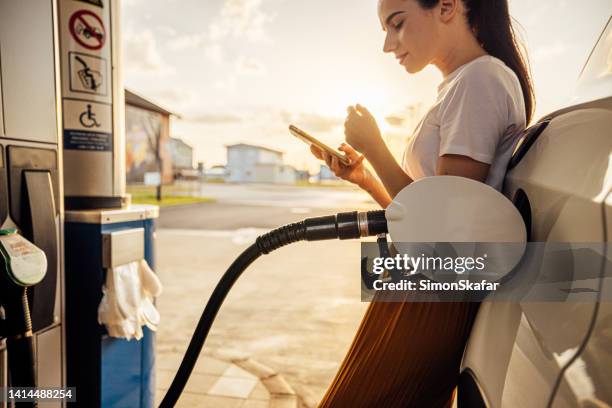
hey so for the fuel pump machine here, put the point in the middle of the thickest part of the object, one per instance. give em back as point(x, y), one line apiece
point(102, 230)
point(31, 204)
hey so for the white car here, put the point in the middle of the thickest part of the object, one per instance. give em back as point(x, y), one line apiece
point(555, 354)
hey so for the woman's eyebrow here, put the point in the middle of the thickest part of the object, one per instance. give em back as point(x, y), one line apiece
point(388, 20)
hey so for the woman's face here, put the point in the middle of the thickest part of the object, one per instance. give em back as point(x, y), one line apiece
point(411, 32)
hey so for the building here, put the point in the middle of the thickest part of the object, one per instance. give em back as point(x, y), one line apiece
point(302, 175)
point(181, 155)
point(326, 174)
point(147, 131)
point(256, 164)
point(215, 173)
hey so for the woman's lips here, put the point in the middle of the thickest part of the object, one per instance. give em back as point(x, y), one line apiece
point(401, 58)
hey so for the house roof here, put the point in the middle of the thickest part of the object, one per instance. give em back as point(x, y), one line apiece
point(136, 100)
point(180, 141)
point(255, 146)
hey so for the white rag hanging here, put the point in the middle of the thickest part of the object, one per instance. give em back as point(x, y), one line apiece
point(127, 301)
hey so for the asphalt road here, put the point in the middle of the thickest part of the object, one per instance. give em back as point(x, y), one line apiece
point(260, 206)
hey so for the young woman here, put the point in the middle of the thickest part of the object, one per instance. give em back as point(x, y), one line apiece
point(408, 354)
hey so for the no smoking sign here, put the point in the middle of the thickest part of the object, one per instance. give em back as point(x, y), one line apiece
point(87, 29)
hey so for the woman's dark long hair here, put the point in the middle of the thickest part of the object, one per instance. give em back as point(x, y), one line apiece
point(491, 22)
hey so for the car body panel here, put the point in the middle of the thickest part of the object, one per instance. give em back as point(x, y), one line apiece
point(589, 376)
point(516, 351)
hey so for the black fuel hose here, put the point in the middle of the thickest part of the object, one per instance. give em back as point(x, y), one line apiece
point(348, 225)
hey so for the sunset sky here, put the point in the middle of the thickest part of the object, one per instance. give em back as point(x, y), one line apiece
point(242, 70)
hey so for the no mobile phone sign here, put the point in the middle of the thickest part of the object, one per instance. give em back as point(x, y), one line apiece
point(87, 29)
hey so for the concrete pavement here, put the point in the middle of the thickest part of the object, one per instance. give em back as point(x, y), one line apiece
point(295, 310)
point(225, 380)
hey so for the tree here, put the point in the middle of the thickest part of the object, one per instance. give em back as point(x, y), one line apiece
point(152, 126)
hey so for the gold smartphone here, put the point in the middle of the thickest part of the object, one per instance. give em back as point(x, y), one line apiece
point(310, 140)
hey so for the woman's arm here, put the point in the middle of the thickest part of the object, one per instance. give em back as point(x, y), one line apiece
point(392, 176)
point(363, 134)
point(355, 173)
point(464, 166)
point(395, 178)
point(375, 188)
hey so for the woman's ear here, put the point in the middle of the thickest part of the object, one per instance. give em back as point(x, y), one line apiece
point(448, 8)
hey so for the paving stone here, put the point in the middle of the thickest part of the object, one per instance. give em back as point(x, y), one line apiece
point(168, 361)
point(260, 393)
point(237, 372)
point(163, 378)
point(233, 387)
point(189, 400)
point(285, 401)
point(200, 383)
point(230, 355)
point(255, 404)
point(209, 365)
point(258, 369)
point(277, 385)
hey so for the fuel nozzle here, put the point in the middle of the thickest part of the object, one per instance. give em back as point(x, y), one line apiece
point(22, 265)
point(345, 225)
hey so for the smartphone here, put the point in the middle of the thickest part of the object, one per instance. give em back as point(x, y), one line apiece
point(310, 140)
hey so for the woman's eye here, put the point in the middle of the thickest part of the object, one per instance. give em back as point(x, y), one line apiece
point(398, 25)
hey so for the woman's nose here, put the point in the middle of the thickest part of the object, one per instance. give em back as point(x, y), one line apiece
point(389, 44)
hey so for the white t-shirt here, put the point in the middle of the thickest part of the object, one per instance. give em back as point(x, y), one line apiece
point(479, 112)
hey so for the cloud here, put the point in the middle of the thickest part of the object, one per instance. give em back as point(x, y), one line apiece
point(395, 120)
point(240, 19)
point(311, 121)
point(174, 97)
point(132, 3)
point(167, 30)
point(214, 52)
point(215, 118)
point(226, 84)
point(142, 55)
point(250, 67)
point(187, 41)
point(405, 117)
point(549, 51)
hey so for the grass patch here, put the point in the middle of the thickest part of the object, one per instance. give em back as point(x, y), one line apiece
point(168, 201)
point(147, 195)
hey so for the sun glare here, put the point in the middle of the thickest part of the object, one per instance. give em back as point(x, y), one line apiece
point(374, 99)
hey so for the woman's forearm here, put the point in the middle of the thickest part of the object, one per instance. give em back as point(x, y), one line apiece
point(392, 176)
point(374, 187)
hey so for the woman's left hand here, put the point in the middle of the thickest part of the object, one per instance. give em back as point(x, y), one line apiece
point(361, 130)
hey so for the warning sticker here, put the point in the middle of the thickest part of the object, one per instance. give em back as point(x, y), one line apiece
point(87, 29)
point(87, 125)
point(85, 37)
point(88, 74)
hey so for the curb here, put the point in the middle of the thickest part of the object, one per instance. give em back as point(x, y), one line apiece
point(282, 395)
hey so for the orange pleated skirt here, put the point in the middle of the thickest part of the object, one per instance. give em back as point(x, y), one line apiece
point(405, 354)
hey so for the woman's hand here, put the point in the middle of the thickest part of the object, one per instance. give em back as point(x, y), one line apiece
point(355, 172)
point(361, 130)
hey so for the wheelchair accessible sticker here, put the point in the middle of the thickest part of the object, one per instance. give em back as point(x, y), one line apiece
point(87, 125)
